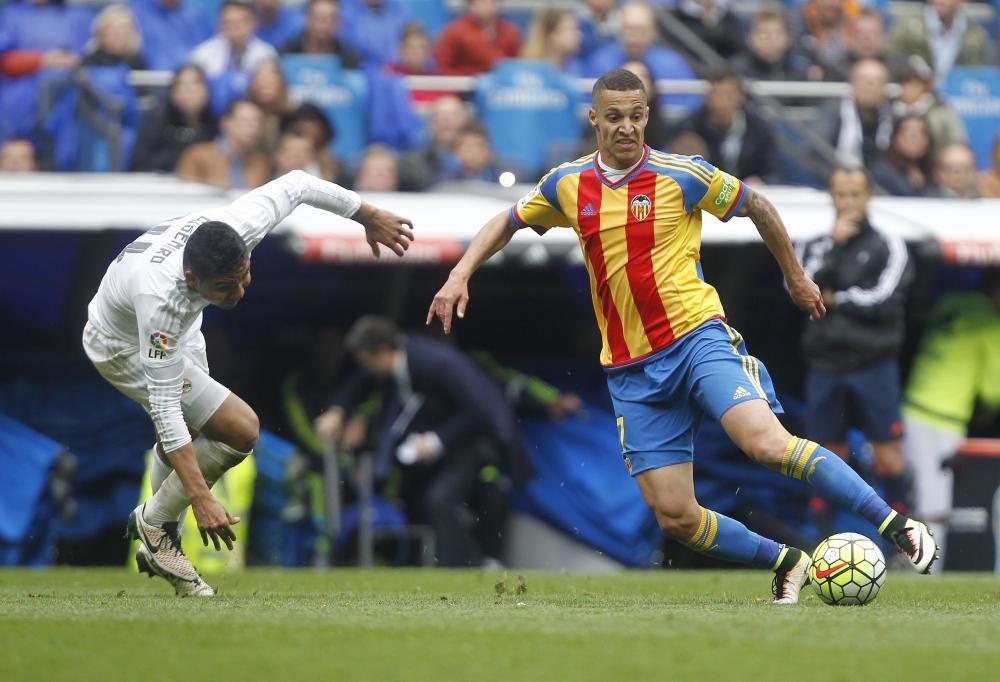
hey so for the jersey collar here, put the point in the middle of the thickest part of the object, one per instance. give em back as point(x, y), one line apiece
point(628, 178)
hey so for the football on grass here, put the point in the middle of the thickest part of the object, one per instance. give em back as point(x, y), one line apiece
point(847, 569)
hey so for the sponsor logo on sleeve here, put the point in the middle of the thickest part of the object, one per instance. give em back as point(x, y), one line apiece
point(729, 184)
point(159, 345)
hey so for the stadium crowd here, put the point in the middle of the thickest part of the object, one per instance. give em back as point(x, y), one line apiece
point(230, 115)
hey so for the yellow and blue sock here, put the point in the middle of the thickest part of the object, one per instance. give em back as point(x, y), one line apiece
point(838, 482)
point(721, 537)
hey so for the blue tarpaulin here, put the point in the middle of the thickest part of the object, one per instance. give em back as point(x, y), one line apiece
point(25, 515)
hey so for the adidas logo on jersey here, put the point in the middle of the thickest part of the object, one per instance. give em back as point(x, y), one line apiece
point(588, 210)
point(741, 393)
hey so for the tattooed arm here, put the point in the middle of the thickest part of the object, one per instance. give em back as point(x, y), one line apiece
point(803, 291)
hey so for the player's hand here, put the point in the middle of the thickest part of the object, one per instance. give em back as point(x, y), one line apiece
point(454, 294)
point(806, 295)
point(385, 228)
point(214, 521)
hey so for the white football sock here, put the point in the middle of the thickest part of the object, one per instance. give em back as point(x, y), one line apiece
point(170, 501)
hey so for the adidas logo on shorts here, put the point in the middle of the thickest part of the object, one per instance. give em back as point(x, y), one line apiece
point(741, 393)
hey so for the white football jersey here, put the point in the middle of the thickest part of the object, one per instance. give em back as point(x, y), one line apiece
point(144, 304)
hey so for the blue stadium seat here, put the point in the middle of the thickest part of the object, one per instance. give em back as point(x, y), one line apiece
point(342, 95)
point(529, 110)
point(75, 125)
point(433, 14)
point(974, 92)
point(391, 118)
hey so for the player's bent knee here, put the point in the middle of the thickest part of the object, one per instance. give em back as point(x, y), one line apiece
point(246, 432)
point(678, 522)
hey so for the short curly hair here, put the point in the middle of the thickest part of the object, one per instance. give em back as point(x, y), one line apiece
point(619, 80)
point(215, 250)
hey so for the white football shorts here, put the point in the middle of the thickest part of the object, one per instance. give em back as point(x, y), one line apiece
point(119, 363)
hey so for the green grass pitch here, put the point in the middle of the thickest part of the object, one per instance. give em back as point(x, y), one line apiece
point(95, 624)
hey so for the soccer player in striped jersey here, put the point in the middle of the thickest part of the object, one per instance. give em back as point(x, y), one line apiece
point(143, 334)
point(669, 355)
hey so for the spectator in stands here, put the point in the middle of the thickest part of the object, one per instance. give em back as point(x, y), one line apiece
point(235, 50)
point(859, 126)
point(955, 172)
point(656, 134)
point(472, 156)
point(476, 41)
point(230, 161)
point(115, 40)
point(374, 29)
point(637, 36)
point(823, 29)
point(868, 41)
point(277, 24)
point(918, 98)
point(415, 57)
point(443, 420)
point(714, 22)
point(293, 151)
point(904, 168)
point(554, 37)
point(737, 138)
point(170, 30)
point(310, 121)
point(378, 170)
point(943, 34)
point(956, 368)
point(17, 156)
point(320, 35)
point(989, 182)
point(422, 168)
point(183, 118)
point(769, 55)
point(688, 143)
point(852, 353)
point(598, 24)
point(269, 92)
point(34, 36)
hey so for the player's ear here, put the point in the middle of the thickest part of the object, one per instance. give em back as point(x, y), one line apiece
point(191, 280)
point(592, 116)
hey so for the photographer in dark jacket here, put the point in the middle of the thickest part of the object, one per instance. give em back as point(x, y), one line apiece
point(448, 426)
point(853, 378)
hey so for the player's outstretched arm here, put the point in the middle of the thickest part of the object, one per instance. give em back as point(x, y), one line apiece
point(803, 291)
point(455, 293)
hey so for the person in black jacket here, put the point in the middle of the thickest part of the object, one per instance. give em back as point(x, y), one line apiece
point(737, 138)
point(448, 426)
point(182, 119)
point(853, 378)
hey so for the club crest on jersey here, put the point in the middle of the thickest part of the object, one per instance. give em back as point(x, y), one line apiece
point(641, 206)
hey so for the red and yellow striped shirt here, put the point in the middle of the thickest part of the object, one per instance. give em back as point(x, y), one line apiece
point(641, 238)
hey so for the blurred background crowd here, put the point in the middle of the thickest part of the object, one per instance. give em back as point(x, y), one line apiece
point(498, 446)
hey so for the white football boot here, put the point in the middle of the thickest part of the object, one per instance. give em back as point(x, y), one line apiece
point(916, 543)
point(161, 555)
point(787, 584)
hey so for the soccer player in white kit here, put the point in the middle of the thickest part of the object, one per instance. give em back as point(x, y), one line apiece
point(143, 335)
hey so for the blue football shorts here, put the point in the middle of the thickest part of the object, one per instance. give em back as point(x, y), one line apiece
point(659, 401)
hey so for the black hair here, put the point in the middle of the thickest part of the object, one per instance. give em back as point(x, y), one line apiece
point(215, 250)
point(372, 333)
point(723, 73)
point(619, 80)
point(310, 112)
point(848, 168)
